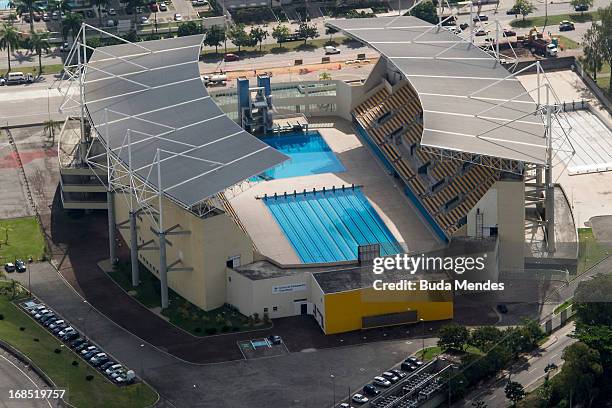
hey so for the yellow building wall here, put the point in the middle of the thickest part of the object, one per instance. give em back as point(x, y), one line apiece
point(206, 249)
point(344, 310)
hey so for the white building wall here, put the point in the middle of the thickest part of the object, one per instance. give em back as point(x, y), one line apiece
point(488, 208)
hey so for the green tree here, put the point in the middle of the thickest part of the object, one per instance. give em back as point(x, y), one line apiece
point(605, 14)
point(575, 3)
point(531, 333)
point(49, 128)
point(26, 7)
point(307, 31)
point(214, 37)
point(99, 4)
point(239, 36)
point(258, 35)
point(9, 40)
point(280, 33)
point(62, 7)
point(330, 31)
point(592, 49)
point(485, 337)
point(39, 43)
point(514, 392)
point(426, 11)
point(453, 336)
point(580, 373)
point(134, 5)
point(524, 8)
point(189, 28)
point(72, 25)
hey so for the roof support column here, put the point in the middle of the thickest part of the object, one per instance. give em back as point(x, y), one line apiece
point(161, 234)
point(550, 186)
point(134, 249)
point(110, 201)
point(163, 269)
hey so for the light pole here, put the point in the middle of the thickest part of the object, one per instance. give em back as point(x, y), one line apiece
point(423, 338)
point(333, 378)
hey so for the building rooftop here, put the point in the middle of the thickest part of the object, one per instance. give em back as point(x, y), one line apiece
point(470, 101)
point(148, 105)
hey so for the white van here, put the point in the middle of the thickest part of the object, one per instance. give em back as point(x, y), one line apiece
point(18, 78)
point(330, 49)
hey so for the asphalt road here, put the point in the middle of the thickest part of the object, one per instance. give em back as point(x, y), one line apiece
point(13, 377)
point(32, 103)
point(299, 379)
point(529, 373)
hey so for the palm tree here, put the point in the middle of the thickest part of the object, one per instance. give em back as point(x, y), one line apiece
point(99, 4)
point(72, 25)
point(26, 7)
point(9, 39)
point(134, 5)
point(39, 43)
point(62, 7)
point(49, 129)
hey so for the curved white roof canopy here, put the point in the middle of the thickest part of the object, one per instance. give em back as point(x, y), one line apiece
point(470, 102)
point(150, 95)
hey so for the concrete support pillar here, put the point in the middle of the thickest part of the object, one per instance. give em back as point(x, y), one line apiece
point(163, 270)
point(539, 186)
point(134, 250)
point(112, 250)
point(550, 187)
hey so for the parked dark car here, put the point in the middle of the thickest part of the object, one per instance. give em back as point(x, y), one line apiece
point(408, 366)
point(581, 7)
point(398, 373)
point(20, 266)
point(370, 390)
point(275, 340)
point(77, 342)
point(107, 364)
point(229, 57)
point(501, 308)
point(71, 336)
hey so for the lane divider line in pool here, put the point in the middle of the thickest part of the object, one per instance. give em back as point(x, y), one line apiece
point(323, 190)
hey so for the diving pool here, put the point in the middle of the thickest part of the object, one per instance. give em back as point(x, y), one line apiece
point(329, 226)
point(308, 154)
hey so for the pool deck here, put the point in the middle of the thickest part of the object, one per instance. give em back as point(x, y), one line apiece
point(362, 169)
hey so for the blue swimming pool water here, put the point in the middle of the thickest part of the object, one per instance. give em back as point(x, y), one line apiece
point(4, 4)
point(308, 153)
point(328, 227)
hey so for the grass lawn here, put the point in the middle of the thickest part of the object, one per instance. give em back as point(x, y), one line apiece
point(554, 20)
point(432, 352)
point(604, 83)
point(274, 48)
point(567, 43)
point(25, 239)
point(181, 312)
point(429, 353)
point(47, 69)
point(39, 346)
point(563, 306)
point(590, 251)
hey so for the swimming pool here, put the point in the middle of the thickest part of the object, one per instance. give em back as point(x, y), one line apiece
point(308, 153)
point(4, 4)
point(328, 227)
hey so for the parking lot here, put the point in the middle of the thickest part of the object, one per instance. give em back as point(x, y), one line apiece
point(85, 348)
point(408, 385)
